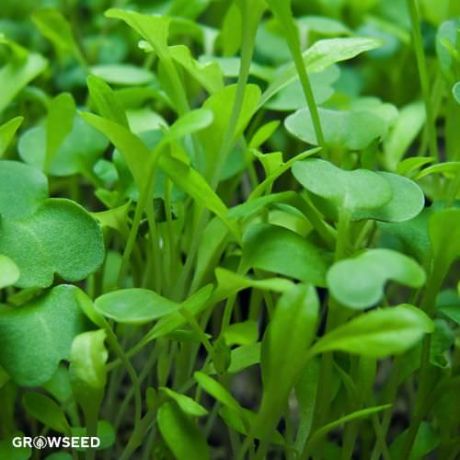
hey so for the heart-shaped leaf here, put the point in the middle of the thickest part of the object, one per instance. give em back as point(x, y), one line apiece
point(359, 282)
point(43, 236)
point(379, 333)
point(406, 203)
point(366, 194)
point(292, 97)
point(357, 191)
point(354, 129)
point(36, 337)
point(134, 306)
point(60, 238)
point(279, 250)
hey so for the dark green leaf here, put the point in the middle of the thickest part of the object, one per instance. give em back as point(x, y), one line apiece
point(278, 250)
point(36, 337)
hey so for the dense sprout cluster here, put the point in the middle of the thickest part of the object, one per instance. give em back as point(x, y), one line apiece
point(230, 229)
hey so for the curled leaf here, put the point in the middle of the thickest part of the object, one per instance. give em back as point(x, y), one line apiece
point(359, 282)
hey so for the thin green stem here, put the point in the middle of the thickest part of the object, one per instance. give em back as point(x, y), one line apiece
point(423, 75)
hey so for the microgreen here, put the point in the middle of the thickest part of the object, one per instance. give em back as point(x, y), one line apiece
point(230, 229)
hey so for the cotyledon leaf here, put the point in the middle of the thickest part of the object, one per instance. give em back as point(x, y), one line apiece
point(359, 282)
point(34, 338)
point(59, 238)
point(358, 191)
point(44, 236)
point(406, 203)
point(354, 129)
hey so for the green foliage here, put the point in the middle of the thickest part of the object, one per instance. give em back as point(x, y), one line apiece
point(369, 272)
point(230, 229)
point(30, 352)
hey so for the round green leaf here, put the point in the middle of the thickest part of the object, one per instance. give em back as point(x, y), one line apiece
point(359, 282)
point(22, 189)
point(36, 337)
point(134, 306)
point(353, 129)
point(358, 191)
point(60, 238)
point(406, 203)
point(292, 97)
